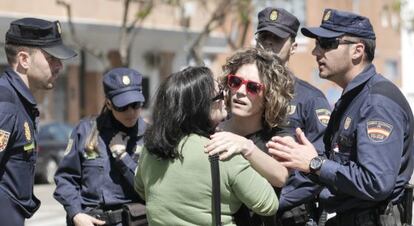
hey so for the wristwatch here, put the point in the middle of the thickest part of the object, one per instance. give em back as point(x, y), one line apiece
point(316, 163)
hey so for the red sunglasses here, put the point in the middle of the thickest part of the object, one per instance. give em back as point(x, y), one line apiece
point(234, 82)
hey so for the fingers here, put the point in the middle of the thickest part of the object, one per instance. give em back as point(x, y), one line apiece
point(285, 141)
point(225, 144)
point(120, 135)
point(215, 150)
point(82, 219)
point(224, 150)
point(120, 139)
point(225, 155)
point(279, 151)
point(280, 155)
point(213, 146)
point(301, 137)
point(278, 146)
point(97, 221)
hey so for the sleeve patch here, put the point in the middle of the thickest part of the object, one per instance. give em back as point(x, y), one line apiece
point(378, 131)
point(4, 139)
point(323, 116)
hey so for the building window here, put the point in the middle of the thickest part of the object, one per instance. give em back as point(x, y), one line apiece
point(391, 69)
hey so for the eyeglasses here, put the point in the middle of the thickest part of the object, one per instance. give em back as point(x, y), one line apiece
point(332, 43)
point(134, 105)
point(219, 96)
point(234, 82)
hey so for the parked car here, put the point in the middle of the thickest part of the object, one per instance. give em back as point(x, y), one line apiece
point(52, 140)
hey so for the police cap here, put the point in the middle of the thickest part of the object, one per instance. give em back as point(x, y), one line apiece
point(123, 86)
point(39, 33)
point(277, 21)
point(336, 23)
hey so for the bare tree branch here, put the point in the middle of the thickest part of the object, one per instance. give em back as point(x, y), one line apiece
point(218, 17)
point(76, 40)
point(229, 39)
point(128, 31)
point(123, 50)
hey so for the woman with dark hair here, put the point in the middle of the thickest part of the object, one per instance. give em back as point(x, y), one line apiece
point(174, 173)
point(96, 176)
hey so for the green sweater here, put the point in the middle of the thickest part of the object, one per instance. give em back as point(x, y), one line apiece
point(179, 192)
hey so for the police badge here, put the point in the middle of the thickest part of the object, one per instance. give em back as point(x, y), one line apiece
point(273, 15)
point(27, 132)
point(125, 80)
point(4, 139)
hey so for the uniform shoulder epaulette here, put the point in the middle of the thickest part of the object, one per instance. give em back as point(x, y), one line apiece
point(391, 91)
point(6, 95)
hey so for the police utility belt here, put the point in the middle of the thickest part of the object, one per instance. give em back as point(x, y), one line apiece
point(389, 214)
point(132, 214)
point(383, 215)
point(109, 216)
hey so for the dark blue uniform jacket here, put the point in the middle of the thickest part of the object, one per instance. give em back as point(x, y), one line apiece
point(371, 148)
point(98, 180)
point(310, 111)
point(18, 116)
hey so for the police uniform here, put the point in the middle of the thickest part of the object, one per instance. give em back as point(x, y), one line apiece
point(98, 183)
point(369, 139)
point(18, 122)
point(309, 110)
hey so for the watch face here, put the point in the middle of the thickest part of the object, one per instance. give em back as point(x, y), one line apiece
point(315, 164)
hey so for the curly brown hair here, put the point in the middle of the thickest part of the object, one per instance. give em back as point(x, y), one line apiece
point(277, 79)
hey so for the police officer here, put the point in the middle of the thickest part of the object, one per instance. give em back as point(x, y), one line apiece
point(95, 177)
point(34, 51)
point(309, 110)
point(369, 139)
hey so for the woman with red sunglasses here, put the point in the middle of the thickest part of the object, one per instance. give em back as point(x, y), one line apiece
point(259, 91)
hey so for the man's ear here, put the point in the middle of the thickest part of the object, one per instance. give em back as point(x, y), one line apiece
point(358, 51)
point(23, 59)
point(293, 48)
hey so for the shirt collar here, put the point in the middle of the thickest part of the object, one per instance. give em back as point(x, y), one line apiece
point(361, 78)
point(19, 86)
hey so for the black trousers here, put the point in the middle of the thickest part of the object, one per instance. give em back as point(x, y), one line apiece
point(367, 217)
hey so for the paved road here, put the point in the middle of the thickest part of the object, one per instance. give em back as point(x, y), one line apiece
point(51, 213)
